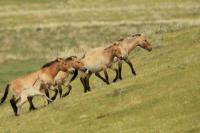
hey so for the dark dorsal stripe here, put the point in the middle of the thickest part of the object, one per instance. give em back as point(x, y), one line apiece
point(136, 35)
point(121, 39)
point(70, 58)
point(49, 63)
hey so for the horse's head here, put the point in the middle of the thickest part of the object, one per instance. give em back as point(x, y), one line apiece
point(118, 51)
point(142, 42)
point(63, 64)
point(75, 63)
point(79, 65)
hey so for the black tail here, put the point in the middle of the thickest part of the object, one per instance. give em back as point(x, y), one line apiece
point(5, 94)
point(74, 76)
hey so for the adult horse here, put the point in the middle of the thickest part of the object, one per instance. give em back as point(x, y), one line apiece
point(25, 87)
point(99, 59)
point(129, 44)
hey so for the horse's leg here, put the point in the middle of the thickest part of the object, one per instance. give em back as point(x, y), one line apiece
point(60, 90)
point(45, 98)
point(117, 74)
point(120, 70)
point(106, 75)
point(23, 99)
point(69, 89)
point(99, 76)
point(46, 92)
point(55, 95)
point(87, 81)
point(131, 66)
point(82, 79)
point(13, 104)
point(30, 100)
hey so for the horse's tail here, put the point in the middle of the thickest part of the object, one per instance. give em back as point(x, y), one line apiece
point(74, 76)
point(5, 94)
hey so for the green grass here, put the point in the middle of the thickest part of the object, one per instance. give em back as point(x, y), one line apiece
point(163, 97)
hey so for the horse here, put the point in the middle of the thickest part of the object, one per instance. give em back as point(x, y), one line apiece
point(25, 87)
point(64, 79)
point(129, 44)
point(99, 59)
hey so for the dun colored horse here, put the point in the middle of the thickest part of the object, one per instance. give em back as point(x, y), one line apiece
point(25, 87)
point(64, 79)
point(129, 44)
point(99, 59)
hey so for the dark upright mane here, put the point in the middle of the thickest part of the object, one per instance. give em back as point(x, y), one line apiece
point(70, 58)
point(121, 39)
point(136, 35)
point(49, 63)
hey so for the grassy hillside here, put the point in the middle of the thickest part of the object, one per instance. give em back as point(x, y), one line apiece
point(163, 97)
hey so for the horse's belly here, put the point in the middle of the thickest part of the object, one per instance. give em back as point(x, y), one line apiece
point(94, 68)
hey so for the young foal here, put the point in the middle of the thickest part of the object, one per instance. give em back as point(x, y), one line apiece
point(64, 78)
point(99, 59)
point(129, 44)
point(30, 85)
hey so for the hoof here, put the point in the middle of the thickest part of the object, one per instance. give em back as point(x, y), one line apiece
point(52, 99)
point(114, 80)
point(134, 74)
point(32, 109)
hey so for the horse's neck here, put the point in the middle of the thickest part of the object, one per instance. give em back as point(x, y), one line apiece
point(52, 70)
point(109, 54)
point(129, 46)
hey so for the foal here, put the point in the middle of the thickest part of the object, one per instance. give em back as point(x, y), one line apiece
point(64, 78)
point(99, 59)
point(129, 44)
point(30, 85)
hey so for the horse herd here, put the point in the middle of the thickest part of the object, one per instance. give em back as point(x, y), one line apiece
point(62, 71)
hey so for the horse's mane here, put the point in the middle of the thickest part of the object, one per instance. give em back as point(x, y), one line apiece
point(83, 56)
point(70, 58)
point(50, 63)
point(56, 60)
point(121, 39)
point(136, 35)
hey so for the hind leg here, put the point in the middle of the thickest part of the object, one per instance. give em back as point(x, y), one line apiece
point(69, 89)
point(23, 99)
point(60, 90)
point(30, 100)
point(55, 95)
point(45, 98)
point(106, 75)
point(35, 92)
point(13, 103)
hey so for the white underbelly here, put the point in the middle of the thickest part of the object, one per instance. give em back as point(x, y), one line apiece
point(94, 68)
